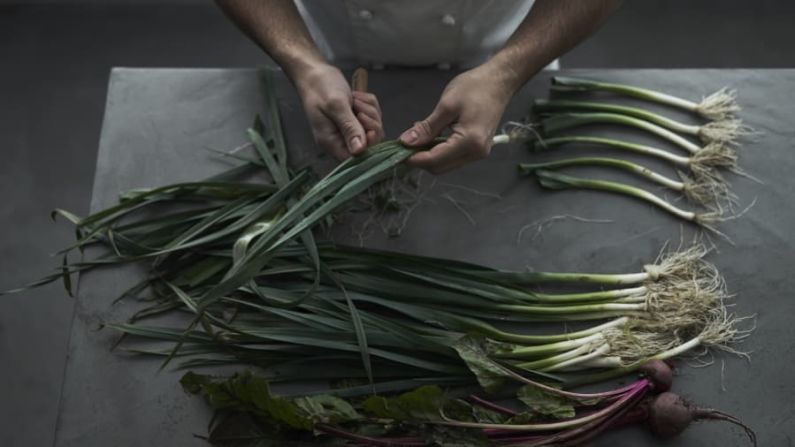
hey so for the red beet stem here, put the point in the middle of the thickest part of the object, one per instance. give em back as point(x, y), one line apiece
point(638, 414)
point(612, 394)
point(491, 405)
point(577, 435)
point(368, 441)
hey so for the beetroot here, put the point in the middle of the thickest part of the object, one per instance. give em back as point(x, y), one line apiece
point(659, 373)
point(670, 415)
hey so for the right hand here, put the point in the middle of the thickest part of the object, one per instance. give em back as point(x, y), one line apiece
point(343, 123)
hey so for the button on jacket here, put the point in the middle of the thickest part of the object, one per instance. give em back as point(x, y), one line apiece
point(440, 33)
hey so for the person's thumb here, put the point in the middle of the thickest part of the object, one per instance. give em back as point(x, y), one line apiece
point(423, 132)
point(351, 130)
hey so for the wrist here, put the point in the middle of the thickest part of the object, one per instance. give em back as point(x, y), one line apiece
point(303, 70)
point(512, 70)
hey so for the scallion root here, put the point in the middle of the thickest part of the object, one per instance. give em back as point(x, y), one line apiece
point(725, 131)
point(719, 105)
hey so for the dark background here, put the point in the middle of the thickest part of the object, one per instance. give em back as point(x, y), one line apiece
point(55, 58)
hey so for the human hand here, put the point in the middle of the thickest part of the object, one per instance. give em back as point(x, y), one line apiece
point(471, 106)
point(343, 123)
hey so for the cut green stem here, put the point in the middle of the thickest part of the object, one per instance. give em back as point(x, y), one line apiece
point(719, 105)
point(529, 168)
point(547, 143)
point(565, 121)
point(723, 131)
point(552, 180)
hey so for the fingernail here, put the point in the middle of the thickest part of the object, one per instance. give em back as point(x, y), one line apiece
point(356, 144)
point(409, 136)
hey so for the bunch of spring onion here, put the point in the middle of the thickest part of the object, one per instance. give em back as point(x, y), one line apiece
point(700, 179)
point(409, 315)
point(538, 415)
point(238, 259)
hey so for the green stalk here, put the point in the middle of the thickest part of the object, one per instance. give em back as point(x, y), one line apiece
point(556, 105)
point(604, 279)
point(580, 310)
point(678, 160)
point(594, 354)
point(589, 296)
point(554, 359)
point(551, 348)
point(624, 370)
point(564, 121)
point(569, 84)
point(528, 168)
point(552, 180)
point(509, 337)
point(516, 279)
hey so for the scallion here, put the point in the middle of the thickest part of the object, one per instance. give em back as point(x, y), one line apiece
point(717, 106)
point(702, 189)
point(724, 131)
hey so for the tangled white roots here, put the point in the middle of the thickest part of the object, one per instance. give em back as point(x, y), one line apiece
point(719, 105)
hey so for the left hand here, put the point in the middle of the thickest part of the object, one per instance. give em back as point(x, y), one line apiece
point(368, 112)
point(471, 106)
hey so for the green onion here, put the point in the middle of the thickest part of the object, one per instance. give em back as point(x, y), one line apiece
point(717, 106)
point(565, 121)
point(703, 190)
point(552, 180)
point(725, 131)
point(702, 162)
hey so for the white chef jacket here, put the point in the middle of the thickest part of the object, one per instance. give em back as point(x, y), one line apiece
point(416, 33)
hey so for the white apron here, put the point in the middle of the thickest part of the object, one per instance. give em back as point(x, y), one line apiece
point(414, 33)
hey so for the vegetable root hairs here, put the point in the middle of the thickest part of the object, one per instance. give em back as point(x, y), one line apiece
point(706, 188)
point(677, 306)
point(725, 131)
point(718, 155)
point(678, 264)
point(517, 131)
point(719, 105)
point(706, 320)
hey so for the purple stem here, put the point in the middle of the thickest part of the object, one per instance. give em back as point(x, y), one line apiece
point(634, 416)
point(491, 405)
point(607, 423)
point(618, 407)
point(368, 441)
point(612, 394)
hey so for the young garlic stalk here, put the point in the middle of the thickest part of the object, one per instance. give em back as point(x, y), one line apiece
point(564, 121)
point(702, 163)
point(717, 106)
point(552, 180)
point(702, 189)
point(726, 130)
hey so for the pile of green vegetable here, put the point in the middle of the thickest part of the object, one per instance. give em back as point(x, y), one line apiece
point(236, 261)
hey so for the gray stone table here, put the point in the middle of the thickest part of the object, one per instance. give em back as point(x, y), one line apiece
point(159, 121)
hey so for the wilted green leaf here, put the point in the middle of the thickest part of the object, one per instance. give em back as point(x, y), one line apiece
point(544, 403)
point(327, 409)
point(473, 351)
point(247, 393)
point(486, 416)
point(422, 403)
